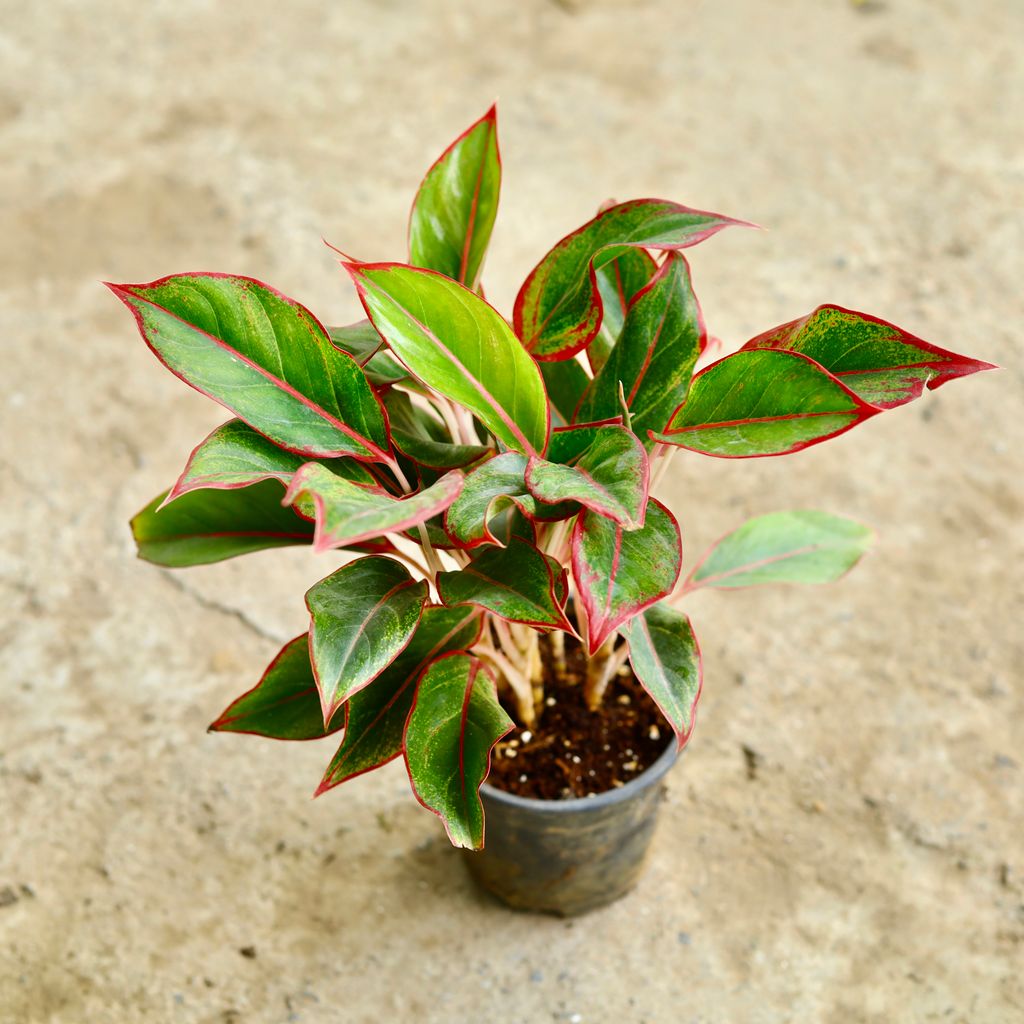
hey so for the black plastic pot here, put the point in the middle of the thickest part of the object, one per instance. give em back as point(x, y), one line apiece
point(568, 856)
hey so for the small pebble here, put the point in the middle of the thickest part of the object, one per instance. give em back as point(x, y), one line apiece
point(526, 736)
point(550, 702)
point(623, 698)
point(654, 733)
point(510, 752)
point(249, 952)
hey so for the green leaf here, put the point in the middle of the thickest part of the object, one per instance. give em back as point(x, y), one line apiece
point(361, 618)
point(611, 477)
point(763, 403)
point(882, 363)
point(566, 383)
point(517, 583)
point(235, 455)
point(347, 513)
point(454, 723)
point(264, 357)
point(655, 354)
point(665, 656)
point(454, 210)
point(459, 346)
point(362, 342)
point(491, 489)
point(211, 525)
point(558, 310)
point(375, 717)
point(618, 283)
point(424, 439)
point(619, 573)
point(799, 546)
point(284, 704)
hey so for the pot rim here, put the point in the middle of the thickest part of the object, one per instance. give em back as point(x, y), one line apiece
point(648, 777)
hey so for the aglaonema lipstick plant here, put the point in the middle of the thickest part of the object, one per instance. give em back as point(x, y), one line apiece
point(489, 481)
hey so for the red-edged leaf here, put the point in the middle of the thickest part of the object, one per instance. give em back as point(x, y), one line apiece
point(618, 282)
point(454, 210)
point(422, 437)
point(559, 308)
point(881, 362)
point(758, 403)
point(618, 573)
point(284, 704)
point(566, 383)
point(362, 342)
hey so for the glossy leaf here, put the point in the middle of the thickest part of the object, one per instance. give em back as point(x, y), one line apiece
point(619, 573)
point(235, 455)
point(566, 382)
point(454, 723)
point(454, 210)
point(611, 476)
point(284, 704)
point(459, 346)
point(882, 363)
point(763, 403)
point(375, 717)
point(264, 357)
point(361, 618)
point(516, 583)
point(618, 283)
point(558, 310)
point(211, 525)
point(424, 439)
point(568, 443)
point(666, 659)
point(347, 513)
point(362, 342)
point(655, 354)
point(797, 546)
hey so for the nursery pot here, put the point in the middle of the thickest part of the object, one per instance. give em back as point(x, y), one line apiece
point(568, 856)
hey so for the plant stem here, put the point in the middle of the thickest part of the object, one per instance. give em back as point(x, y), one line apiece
point(602, 670)
point(428, 549)
point(517, 682)
point(662, 454)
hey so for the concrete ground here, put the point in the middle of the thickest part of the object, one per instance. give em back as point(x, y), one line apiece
point(843, 840)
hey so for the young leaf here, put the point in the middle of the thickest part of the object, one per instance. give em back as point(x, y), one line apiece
point(454, 210)
point(568, 443)
point(460, 346)
point(211, 525)
point(799, 546)
point(424, 439)
point(347, 513)
point(611, 476)
point(655, 353)
point(362, 342)
point(618, 283)
point(763, 403)
point(666, 659)
point(619, 573)
point(877, 360)
point(566, 383)
point(235, 455)
point(490, 489)
point(284, 704)
point(361, 618)
point(375, 717)
point(454, 723)
point(264, 357)
point(558, 310)
point(517, 583)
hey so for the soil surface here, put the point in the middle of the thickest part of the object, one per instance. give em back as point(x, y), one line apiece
point(572, 751)
point(841, 842)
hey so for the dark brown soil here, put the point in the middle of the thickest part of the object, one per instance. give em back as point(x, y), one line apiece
point(573, 751)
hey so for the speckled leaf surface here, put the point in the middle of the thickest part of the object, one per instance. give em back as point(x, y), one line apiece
point(618, 283)
point(264, 357)
point(618, 573)
point(235, 455)
point(211, 525)
point(559, 308)
point(796, 546)
point(454, 723)
point(566, 382)
point(423, 438)
point(284, 704)
point(665, 656)
point(454, 210)
point(654, 356)
point(361, 618)
point(763, 403)
point(347, 513)
point(517, 583)
point(362, 342)
point(375, 717)
point(611, 476)
point(881, 362)
point(457, 344)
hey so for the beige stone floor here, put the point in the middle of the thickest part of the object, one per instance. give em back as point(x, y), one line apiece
point(873, 868)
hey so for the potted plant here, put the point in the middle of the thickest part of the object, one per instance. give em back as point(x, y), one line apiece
point(508, 598)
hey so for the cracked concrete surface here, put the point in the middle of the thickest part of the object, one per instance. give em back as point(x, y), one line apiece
point(862, 862)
